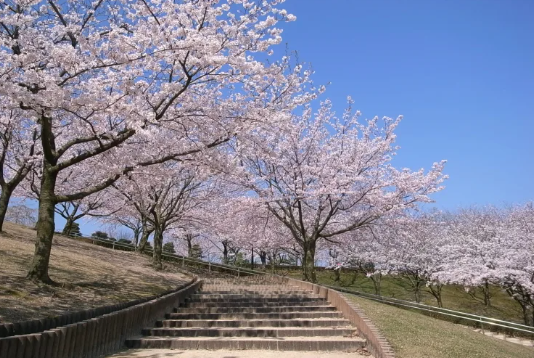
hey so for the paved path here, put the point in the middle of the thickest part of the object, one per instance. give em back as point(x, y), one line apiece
point(501, 336)
point(172, 353)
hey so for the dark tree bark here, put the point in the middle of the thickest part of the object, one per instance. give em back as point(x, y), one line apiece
point(5, 196)
point(308, 261)
point(45, 228)
point(146, 232)
point(435, 290)
point(158, 248)
point(263, 258)
point(225, 252)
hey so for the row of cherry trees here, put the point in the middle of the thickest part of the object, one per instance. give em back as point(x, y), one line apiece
point(93, 92)
point(473, 248)
point(166, 117)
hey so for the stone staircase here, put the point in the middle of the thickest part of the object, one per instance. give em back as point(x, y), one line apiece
point(238, 314)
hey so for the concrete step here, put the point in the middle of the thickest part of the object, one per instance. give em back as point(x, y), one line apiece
point(273, 309)
point(245, 298)
point(250, 288)
point(265, 295)
point(218, 353)
point(237, 315)
point(250, 332)
point(255, 303)
point(226, 291)
point(334, 344)
point(317, 322)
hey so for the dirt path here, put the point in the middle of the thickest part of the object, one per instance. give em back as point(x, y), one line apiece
point(90, 275)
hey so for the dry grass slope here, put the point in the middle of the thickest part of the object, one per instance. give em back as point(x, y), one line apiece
point(414, 335)
point(90, 275)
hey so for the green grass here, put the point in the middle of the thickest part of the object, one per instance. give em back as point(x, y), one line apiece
point(454, 297)
point(413, 335)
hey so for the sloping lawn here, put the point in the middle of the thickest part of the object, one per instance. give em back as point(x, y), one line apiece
point(414, 335)
point(89, 276)
point(454, 297)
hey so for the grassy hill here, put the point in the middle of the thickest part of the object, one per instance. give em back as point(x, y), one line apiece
point(454, 297)
point(90, 276)
point(414, 335)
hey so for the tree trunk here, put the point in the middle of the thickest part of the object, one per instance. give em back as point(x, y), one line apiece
point(225, 252)
point(435, 290)
point(487, 294)
point(263, 258)
point(4, 202)
point(252, 258)
point(189, 239)
point(144, 239)
point(45, 229)
point(417, 291)
point(337, 274)
point(136, 232)
point(376, 278)
point(308, 262)
point(158, 244)
point(68, 226)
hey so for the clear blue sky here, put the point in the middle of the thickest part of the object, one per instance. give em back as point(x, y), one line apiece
point(461, 73)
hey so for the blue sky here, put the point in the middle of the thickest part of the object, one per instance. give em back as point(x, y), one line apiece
point(461, 73)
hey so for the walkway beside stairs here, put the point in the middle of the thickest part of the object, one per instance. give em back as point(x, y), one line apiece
point(249, 315)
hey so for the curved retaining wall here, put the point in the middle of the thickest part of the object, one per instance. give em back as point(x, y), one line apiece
point(97, 336)
point(40, 325)
point(376, 342)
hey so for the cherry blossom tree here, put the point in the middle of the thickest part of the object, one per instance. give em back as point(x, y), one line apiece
point(168, 196)
point(324, 176)
point(21, 214)
point(516, 262)
point(123, 85)
point(91, 206)
point(18, 139)
point(473, 248)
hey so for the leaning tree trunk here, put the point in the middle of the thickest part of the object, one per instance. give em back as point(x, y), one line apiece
point(144, 239)
point(45, 229)
point(4, 202)
point(308, 262)
point(435, 290)
point(158, 244)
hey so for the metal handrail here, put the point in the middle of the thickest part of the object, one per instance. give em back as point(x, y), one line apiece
point(442, 311)
point(184, 259)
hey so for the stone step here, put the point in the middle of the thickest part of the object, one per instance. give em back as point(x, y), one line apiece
point(254, 303)
point(245, 298)
point(324, 344)
point(234, 297)
point(273, 309)
point(234, 288)
point(251, 332)
point(237, 315)
point(317, 322)
point(270, 290)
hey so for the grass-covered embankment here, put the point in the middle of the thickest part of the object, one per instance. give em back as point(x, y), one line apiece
point(454, 297)
point(88, 276)
point(413, 335)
